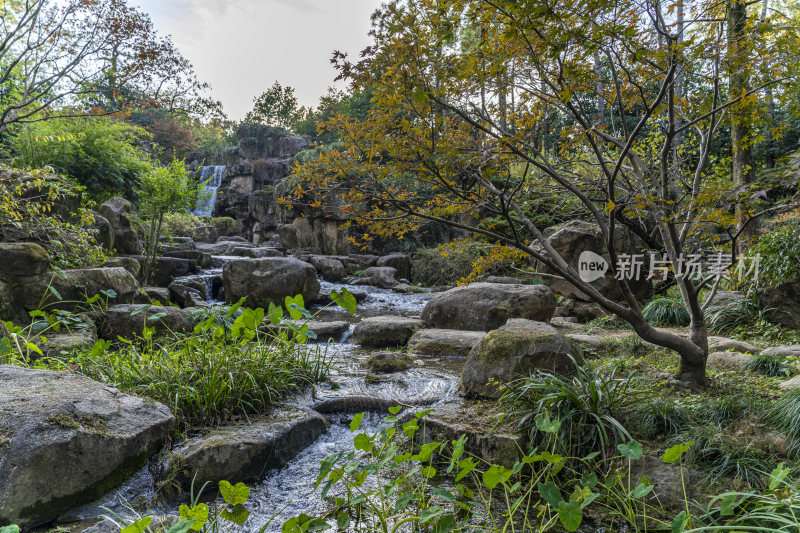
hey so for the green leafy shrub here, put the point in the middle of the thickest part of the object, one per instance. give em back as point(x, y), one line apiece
point(724, 410)
point(225, 226)
point(180, 224)
point(784, 414)
point(666, 311)
point(779, 249)
point(432, 267)
point(735, 315)
point(99, 153)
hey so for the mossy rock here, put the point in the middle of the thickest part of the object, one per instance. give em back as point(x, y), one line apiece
point(388, 362)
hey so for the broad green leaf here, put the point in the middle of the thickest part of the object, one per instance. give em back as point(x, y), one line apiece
point(235, 307)
point(343, 520)
point(355, 423)
point(445, 524)
point(641, 490)
point(632, 450)
point(155, 317)
point(238, 514)
point(55, 292)
point(396, 409)
point(345, 300)
point(430, 513)
point(443, 493)
point(674, 454)
point(428, 471)
point(570, 515)
point(199, 513)
point(141, 309)
point(495, 475)
point(234, 494)
point(778, 476)
point(362, 442)
point(545, 424)
point(275, 314)
point(182, 526)
point(679, 522)
point(137, 527)
point(550, 493)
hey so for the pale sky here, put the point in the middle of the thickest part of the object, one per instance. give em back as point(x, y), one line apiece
point(241, 47)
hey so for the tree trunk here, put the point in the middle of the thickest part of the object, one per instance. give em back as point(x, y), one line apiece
point(743, 172)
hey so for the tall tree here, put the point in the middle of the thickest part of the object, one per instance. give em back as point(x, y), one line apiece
point(277, 106)
point(430, 150)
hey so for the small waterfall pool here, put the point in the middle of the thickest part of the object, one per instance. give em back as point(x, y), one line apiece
point(212, 177)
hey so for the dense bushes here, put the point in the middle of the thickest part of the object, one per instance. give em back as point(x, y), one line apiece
point(99, 153)
point(459, 261)
point(779, 249)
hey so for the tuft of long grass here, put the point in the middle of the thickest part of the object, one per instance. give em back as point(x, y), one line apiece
point(722, 455)
point(768, 364)
point(740, 313)
point(589, 406)
point(784, 414)
point(661, 417)
point(666, 311)
point(206, 380)
point(723, 410)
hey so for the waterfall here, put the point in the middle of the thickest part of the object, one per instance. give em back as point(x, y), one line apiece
point(212, 177)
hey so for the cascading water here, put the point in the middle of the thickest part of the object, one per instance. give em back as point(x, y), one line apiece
point(212, 177)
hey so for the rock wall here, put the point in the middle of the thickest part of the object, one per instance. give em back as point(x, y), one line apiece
point(255, 177)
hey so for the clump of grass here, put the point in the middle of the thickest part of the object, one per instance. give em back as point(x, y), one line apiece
point(666, 311)
point(722, 454)
point(207, 378)
point(218, 313)
point(768, 365)
point(723, 410)
point(737, 314)
point(588, 405)
point(784, 414)
point(662, 417)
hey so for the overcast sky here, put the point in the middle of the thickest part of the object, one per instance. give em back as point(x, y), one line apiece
point(241, 47)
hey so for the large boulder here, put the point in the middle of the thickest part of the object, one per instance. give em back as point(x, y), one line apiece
point(104, 232)
point(575, 237)
point(131, 264)
point(487, 306)
point(75, 286)
point(270, 279)
point(783, 303)
point(23, 259)
point(381, 277)
point(332, 269)
point(385, 331)
point(244, 453)
point(201, 259)
point(66, 440)
point(121, 215)
point(121, 321)
point(400, 262)
point(167, 269)
point(515, 350)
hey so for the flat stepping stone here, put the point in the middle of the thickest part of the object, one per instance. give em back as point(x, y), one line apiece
point(723, 344)
point(790, 384)
point(731, 359)
point(444, 341)
point(594, 342)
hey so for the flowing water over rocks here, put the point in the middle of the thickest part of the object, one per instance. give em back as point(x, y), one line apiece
point(430, 382)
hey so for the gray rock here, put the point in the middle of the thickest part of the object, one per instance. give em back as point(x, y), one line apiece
point(790, 384)
point(119, 321)
point(668, 484)
point(167, 269)
point(506, 280)
point(731, 359)
point(65, 440)
point(131, 264)
point(23, 259)
point(783, 303)
point(573, 238)
point(206, 234)
point(188, 294)
point(381, 277)
point(201, 259)
point(594, 342)
point(246, 452)
point(487, 306)
point(385, 331)
point(388, 362)
point(784, 351)
point(515, 350)
point(254, 253)
point(120, 214)
point(104, 233)
point(75, 287)
point(722, 344)
point(444, 341)
point(152, 295)
point(267, 280)
point(331, 269)
point(400, 262)
point(68, 340)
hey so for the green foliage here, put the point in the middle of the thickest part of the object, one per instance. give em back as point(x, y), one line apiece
point(784, 414)
point(779, 249)
point(164, 190)
point(736, 315)
point(180, 224)
point(217, 313)
point(37, 206)
point(277, 106)
point(98, 153)
point(662, 417)
point(666, 311)
point(768, 364)
point(589, 406)
point(446, 265)
point(225, 226)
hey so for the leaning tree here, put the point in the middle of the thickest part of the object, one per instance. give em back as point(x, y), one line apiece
point(613, 106)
